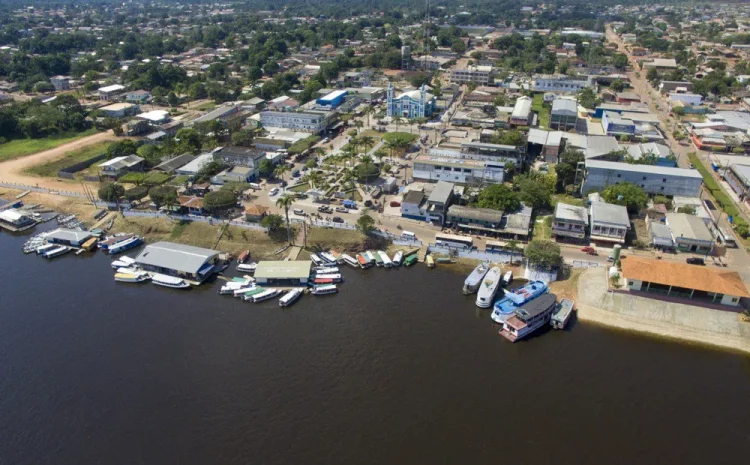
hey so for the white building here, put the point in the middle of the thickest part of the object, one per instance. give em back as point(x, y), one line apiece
point(686, 98)
point(308, 121)
point(475, 74)
point(559, 83)
point(456, 167)
point(110, 92)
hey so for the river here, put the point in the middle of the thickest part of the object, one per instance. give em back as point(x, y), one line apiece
point(399, 368)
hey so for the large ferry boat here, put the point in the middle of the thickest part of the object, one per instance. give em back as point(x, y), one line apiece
point(506, 307)
point(472, 282)
point(489, 287)
point(530, 317)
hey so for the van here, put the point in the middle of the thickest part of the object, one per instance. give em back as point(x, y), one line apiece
point(254, 185)
point(409, 235)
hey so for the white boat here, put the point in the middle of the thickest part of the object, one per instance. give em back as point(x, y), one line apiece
point(328, 257)
point(169, 281)
point(123, 261)
point(488, 288)
point(387, 262)
point(316, 259)
point(529, 317)
point(265, 295)
point(325, 289)
point(232, 286)
point(247, 267)
point(56, 252)
point(472, 282)
point(326, 269)
point(44, 248)
point(132, 277)
point(349, 260)
point(398, 259)
point(240, 292)
point(328, 279)
point(128, 270)
point(508, 277)
point(127, 244)
point(290, 297)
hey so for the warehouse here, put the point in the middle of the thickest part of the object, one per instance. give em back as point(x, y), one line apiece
point(66, 236)
point(652, 179)
point(283, 273)
point(333, 100)
point(184, 261)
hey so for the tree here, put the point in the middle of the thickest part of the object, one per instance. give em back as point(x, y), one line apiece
point(242, 138)
point(587, 98)
point(281, 170)
point(544, 254)
point(190, 140)
point(366, 170)
point(566, 168)
point(367, 142)
point(172, 99)
point(499, 197)
point(535, 189)
point(136, 193)
point(265, 167)
point(365, 224)
point(617, 85)
point(626, 194)
point(652, 74)
point(163, 195)
point(209, 169)
point(273, 222)
point(512, 137)
point(151, 153)
point(219, 200)
point(286, 202)
point(111, 192)
point(121, 148)
point(689, 209)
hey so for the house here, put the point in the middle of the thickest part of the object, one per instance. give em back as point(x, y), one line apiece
point(674, 279)
point(690, 233)
point(661, 64)
point(569, 221)
point(255, 213)
point(476, 74)
point(521, 115)
point(234, 174)
point(564, 114)
point(138, 96)
point(283, 273)
point(118, 166)
point(119, 110)
point(614, 125)
point(609, 222)
point(60, 82)
point(559, 83)
point(192, 205)
point(241, 156)
point(438, 201)
point(517, 225)
point(627, 97)
point(171, 165)
point(16, 219)
point(333, 99)
point(412, 104)
point(64, 236)
point(738, 178)
point(230, 116)
point(411, 205)
point(686, 98)
point(184, 261)
point(661, 152)
point(283, 103)
point(652, 179)
point(192, 167)
point(306, 121)
point(668, 87)
point(661, 236)
point(155, 116)
point(110, 92)
point(474, 219)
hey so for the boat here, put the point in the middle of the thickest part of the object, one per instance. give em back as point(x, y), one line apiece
point(122, 246)
point(316, 259)
point(443, 260)
point(56, 252)
point(242, 291)
point(488, 288)
point(232, 286)
point(508, 277)
point(363, 261)
point(472, 282)
point(169, 281)
point(265, 295)
point(336, 255)
point(349, 260)
point(387, 262)
point(89, 244)
point(247, 267)
point(326, 269)
point(23, 194)
point(132, 277)
point(45, 248)
point(562, 313)
point(104, 245)
point(290, 297)
point(376, 256)
point(410, 260)
point(243, 256)
point(398, 258)
point(128, 270)
point(529, 317)
point(123, 261)
point(327, 272)
point(328, 278)
point(110, 224)
point(248, 295)
point(430, 261)
point(327, 257)
point(325, 289)
point(506, 307)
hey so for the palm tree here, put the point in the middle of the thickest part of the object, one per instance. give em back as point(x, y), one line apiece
point(285, 202)
point(355, 142)
point(397, 120)
point(368, 112)
point(280, 171)
point(358, 124)
point(313, 178)
point(319, 152)
point(367, 141)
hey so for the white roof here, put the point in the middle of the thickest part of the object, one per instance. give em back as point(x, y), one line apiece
point(196, 165)
point(155, 115)
point(112, 88)
point(649, 169)
point(12, 215)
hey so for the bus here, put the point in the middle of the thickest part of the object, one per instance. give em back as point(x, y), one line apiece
point(727, 238)
point(451, 240)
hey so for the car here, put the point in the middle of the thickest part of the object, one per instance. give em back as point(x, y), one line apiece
point(325, 209)
point(299, 211)
point(395, 203)
point(325, 141)
point(337, 219)
point(368, 203)
point(274, 191)
point(342, 209)
point(695, 261)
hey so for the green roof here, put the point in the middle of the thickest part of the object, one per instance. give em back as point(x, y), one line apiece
point(283, 270)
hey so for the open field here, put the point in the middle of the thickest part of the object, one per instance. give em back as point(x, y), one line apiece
point(543, 227)
point(537, 105)
point(51, 167)
point(22, 147)
point(340, 239)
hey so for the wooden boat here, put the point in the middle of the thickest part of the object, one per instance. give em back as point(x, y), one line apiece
point(290, 297)
point(376, 256)
point(508, 277)
point(326, 269)
point(488, 288)
point(363, 261)
point(169, 281)
point(232, 286)
point(248, 296)
point(89, 244)
point(123, 261)
point(316, 259)
point(104, 245)
point(328, 279)
point(23, 194)
point(349, 260)
point(336, 255)
point(529, 317)
point(443, 260)
point(430, 261)
point(410, 260)
point(328, 257)
point(561, 315)
point(45, 248)
point(398, 258)
point(325, 289)
point(132, 277)
point(243, 256)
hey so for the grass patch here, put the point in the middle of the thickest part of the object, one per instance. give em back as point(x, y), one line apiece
point(543, 227)
point(50, 169)
point(567, 198)
point(179, 181)
point(343, 240)
point(178, 229)
point(398, 135)
point(205, 106)
point(299, 188)
point(155, 178)
point(354, 195)
point(132, 178)
point(302, 145)
point(721, 197)
point(538, 105)
point(21, 147)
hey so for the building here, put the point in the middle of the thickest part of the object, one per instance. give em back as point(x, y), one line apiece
point(241, 156)
point(609, 222)
point(60, 82)
point(119, 110)
point(306, 121)
point(412, 205)
point(674, 279)
point(627, 97)
point(234, 174)
point(661, 64)
point(661, 152)
point(332, 100)
point(110, 92)
point(118, 166)
point(72, 237)
point(456, 167)
point(412, 104)
point(690, 233)
point(184, 261)
point(564, 114)
point(255, 213)
point(191, 205)
point(438, 201)
point(738, 178)
point(191, 168)
point(521, 115)
point(652, 179)
point(16, 219)
point(476, 74)
point(171, 165)
point(155, 117)
point(473, 218)
point(559, 83)
point(661, 236)
point(614, 125)
point(283, 273)
point(686, 98)
point(138, 96)
point(570, 221)
point(668, 87)
point(230, 116)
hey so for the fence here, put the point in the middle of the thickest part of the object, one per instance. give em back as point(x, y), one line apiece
point(44, 190)
point(202, 219)
point(68, 171)
point(331, 224)
point(397, 240)
point(484, 255)
point(584, 264)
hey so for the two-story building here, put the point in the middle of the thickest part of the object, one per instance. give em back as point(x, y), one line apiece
point(690, 233)
point(738, 178)
point(476, 74)
point(569, 222)
point(241, 156)
point(304, 121)
point(564, 114)
point(521, 115)
point(110, 92)
point(609, 222)
point(474, 218)
point(60, 82)
point(652, 179)
point(559, 83)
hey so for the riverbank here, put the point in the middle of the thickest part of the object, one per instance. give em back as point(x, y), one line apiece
point(685, 323)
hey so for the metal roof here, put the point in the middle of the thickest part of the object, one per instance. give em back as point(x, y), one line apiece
point(476, 214)
point(565, 106)
point(441, 193)
point(646, 169)
point(177, 257)
point(413, 197)
point(283, 269)
point(174, 163)
point(602, 212)
point(566, 212)
point(689, 227)
point(69, 235)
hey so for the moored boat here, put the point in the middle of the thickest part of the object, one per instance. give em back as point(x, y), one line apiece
point(328, 278)
point(488, 288)
point(508, 277)
point(529, 317)
point(398, 258)
point(376, 256)
point(430, 261)
point(56, 252)
point(111, 240)
point(169, 281)
point(122, 246)
point(123, 261)
point(232, 286)
point(326, 269)
point(349, 260)
point(44, 248)
point(316, 259)
point(410, 260)
point(290, 297)
point(265, 295)
point(562, 313)
point(327, 257)
point(472, 282)
point(243, 256)
point(387, 262)
point(325, 289)
point(506, 307)
point(247, 267)
point(363, 261)
point(132, 277)
point(248, 295)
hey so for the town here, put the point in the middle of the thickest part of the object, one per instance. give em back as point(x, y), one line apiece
point(603, 148)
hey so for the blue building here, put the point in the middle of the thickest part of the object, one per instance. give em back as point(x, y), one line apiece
point(614, 125)
point(413, 104)
point(334, 99)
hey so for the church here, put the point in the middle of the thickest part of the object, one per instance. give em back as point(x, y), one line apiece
point(412, 104)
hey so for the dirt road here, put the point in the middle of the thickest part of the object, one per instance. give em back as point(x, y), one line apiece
point(12, 170)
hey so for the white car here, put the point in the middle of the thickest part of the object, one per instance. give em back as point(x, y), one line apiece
point(274, 191)
point(299, 211)
point(342, 209)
